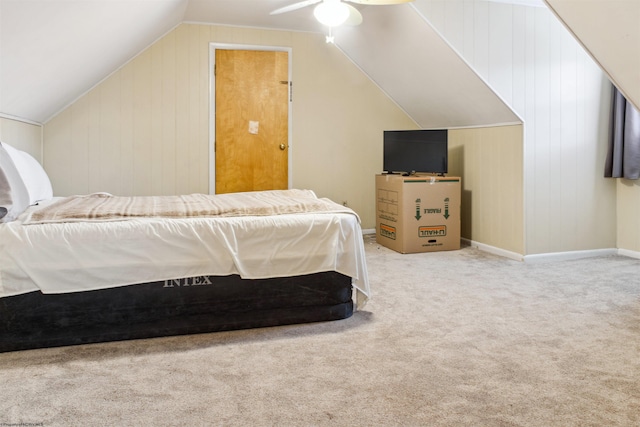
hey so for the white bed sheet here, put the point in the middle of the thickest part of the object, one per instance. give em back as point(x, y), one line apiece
point(74, 257)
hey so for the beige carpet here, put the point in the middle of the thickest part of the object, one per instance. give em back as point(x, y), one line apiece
point(458, 338)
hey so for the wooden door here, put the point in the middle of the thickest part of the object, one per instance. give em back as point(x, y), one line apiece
point(251, 120)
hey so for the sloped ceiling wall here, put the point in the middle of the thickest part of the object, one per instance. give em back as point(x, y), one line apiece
point(610, 31)
point(53, 51)
point(411, 62)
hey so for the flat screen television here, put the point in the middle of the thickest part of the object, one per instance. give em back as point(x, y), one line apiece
point(412, 151)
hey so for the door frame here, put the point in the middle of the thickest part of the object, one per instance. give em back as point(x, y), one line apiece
point(212, 105)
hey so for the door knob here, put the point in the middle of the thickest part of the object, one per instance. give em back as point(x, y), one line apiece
point(282, 146)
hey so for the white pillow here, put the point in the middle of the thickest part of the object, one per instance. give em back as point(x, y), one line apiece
point(14, 196)
point(33, 175)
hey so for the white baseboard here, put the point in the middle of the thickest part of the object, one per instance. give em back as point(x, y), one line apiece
point(630, 254)
point(552, 256)
point(366, 231)
point(565, 256)
point(493, 250)
point(546, 257)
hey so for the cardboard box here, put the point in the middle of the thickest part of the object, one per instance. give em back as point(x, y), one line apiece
point(418, 213)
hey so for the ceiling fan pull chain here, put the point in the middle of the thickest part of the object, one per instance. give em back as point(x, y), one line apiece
point(330, 38)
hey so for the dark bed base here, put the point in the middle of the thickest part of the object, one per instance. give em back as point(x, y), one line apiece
point(171, 307)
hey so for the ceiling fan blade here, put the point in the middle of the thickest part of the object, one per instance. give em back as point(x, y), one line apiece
point(379, 2)
point(355, 17)
point(294, 6)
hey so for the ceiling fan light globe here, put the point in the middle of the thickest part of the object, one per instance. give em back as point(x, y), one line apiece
point(331, 13)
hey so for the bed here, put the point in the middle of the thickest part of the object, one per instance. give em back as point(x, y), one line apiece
point(118, 271)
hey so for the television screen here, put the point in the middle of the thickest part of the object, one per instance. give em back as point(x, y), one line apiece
point(411, 151)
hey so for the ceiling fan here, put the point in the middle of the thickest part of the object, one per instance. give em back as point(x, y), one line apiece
point(336, 12)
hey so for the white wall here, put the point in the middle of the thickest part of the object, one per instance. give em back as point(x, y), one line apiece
point(537, 67)
point(22, 135)
point(610, 31)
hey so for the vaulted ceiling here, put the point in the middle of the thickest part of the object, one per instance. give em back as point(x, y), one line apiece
point(53, 51)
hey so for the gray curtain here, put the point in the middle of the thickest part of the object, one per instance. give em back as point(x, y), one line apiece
point(623, 155)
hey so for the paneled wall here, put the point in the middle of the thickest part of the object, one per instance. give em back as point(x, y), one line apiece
point(489, 160)
point(536, 66)
point(22, 135)
point(629, 216)
point(611, 32)
point(145, 129)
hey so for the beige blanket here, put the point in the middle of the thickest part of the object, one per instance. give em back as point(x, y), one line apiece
point(106, 207)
